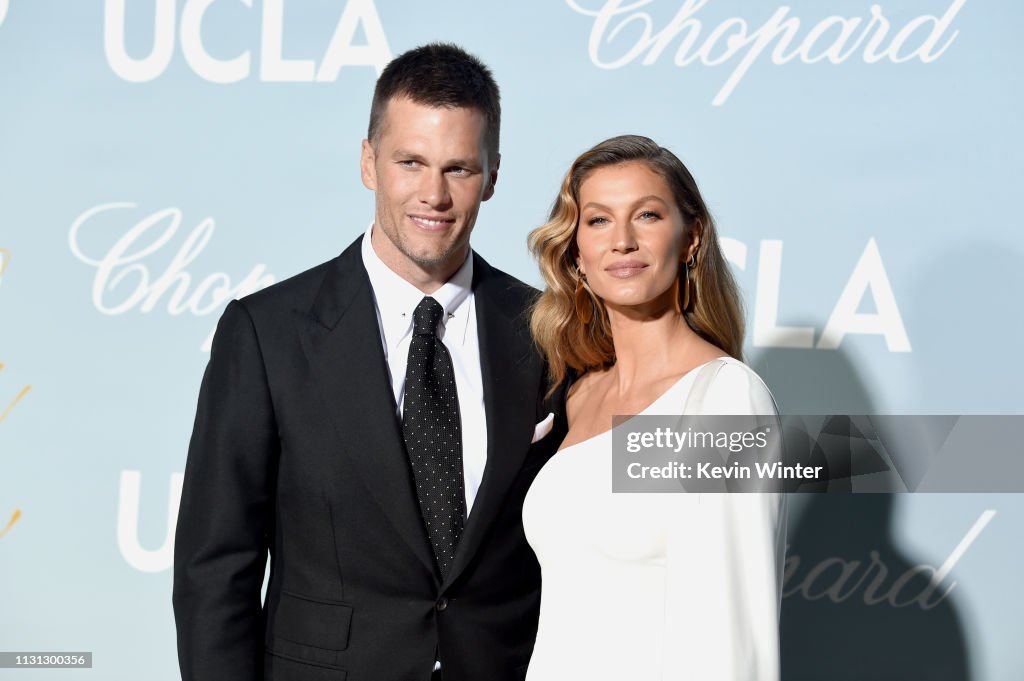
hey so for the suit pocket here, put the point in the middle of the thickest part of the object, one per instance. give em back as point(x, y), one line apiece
point(313, 622)
point(277, 667)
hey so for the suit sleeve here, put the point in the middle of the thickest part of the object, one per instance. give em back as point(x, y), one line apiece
point(725, 564)
point(225, 517)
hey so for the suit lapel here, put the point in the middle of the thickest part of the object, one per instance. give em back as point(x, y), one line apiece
point(342, 342)
point(511, 376)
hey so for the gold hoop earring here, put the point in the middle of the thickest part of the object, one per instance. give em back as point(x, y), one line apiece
point(685, 276)
point(688, 296)
point(584, 303)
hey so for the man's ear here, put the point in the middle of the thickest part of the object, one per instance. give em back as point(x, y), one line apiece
point(368, 166)
point(492, 179)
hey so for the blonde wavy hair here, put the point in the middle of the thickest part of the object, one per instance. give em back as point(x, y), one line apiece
point(715, 310)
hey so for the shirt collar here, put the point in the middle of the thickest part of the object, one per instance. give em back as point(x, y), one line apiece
point(397, 298)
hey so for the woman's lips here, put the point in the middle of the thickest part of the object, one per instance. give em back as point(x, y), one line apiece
point(626, 270)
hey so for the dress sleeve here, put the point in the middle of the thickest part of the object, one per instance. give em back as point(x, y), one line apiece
point(724, 563)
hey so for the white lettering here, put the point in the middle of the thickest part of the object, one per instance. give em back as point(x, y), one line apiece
point(868, 274)
point(205, 66)
point(123, 282)
point(148, 68)
point(341, 51)
point(947, 566)
point(834, 52)
point(775, 27)
point(839, 591)
point(274, 67)
point(145, 560)
point(767, 332)
point(735, 251)
point(615, 19)
point(924, 50)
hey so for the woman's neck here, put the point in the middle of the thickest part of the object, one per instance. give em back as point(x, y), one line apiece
point(648, 345)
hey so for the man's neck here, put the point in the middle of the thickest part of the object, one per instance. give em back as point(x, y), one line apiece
point(425, 277)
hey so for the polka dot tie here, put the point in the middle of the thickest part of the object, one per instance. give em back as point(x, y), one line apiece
point(432, 428)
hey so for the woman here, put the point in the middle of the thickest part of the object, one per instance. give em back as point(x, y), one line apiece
point(641, 305)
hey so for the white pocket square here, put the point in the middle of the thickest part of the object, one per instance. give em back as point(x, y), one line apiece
point(543, 428)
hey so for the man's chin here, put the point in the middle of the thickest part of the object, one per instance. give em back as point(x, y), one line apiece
point(433, 260)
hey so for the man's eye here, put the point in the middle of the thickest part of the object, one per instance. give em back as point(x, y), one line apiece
point(408, 163)
point(457, 170)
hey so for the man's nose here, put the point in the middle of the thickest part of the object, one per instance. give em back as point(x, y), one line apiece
point(434, 190)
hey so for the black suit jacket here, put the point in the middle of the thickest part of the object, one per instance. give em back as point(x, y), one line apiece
point(297, 450)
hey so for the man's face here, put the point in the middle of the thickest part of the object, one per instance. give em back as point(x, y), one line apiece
point(430, 172)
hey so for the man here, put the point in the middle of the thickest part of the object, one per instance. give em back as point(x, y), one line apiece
point(374, 423)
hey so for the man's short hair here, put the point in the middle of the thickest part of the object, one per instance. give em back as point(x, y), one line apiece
point(439, 75)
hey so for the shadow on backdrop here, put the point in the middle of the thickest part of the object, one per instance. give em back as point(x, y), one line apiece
point(854, 607)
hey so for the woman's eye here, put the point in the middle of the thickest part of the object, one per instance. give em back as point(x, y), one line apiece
point(649, 215)
point(597, 221)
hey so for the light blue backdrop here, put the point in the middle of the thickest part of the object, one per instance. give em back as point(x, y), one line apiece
point(863, 179)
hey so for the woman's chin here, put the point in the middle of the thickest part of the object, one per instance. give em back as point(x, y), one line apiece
point(645, 306)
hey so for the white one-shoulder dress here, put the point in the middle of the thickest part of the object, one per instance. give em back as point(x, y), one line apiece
point(654, 586)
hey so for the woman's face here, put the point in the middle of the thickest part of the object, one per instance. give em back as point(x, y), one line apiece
point(630, 236)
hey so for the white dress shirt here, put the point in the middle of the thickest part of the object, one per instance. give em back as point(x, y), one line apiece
point(395, 299)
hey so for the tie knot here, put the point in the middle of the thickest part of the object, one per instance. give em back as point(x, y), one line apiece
point(426, 317)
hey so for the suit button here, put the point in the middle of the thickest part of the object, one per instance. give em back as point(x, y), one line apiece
point(442, 604)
